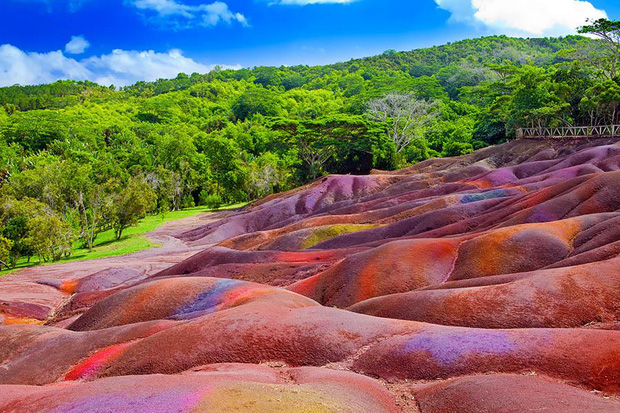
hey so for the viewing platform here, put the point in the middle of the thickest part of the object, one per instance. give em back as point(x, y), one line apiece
point(572, 132)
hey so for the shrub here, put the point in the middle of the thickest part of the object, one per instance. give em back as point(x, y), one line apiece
point(188, 201)
point(213, 201)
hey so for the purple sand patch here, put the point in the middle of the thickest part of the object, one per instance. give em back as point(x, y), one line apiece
point(497, 193)
point(446, 348)
point(541, 213)
point(167, 401)
point(205, 302)
point(501, 176)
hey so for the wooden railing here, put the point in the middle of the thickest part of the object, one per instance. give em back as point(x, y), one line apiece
point(571, 132)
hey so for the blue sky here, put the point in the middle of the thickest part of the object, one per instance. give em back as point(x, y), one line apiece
point(121, 41)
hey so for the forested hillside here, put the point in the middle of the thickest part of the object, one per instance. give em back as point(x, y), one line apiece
point(77, 158)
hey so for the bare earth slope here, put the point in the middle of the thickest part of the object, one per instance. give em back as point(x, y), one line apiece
point(485, 283)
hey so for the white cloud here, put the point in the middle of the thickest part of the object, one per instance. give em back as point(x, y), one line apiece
point(121, 67)
point(126, 67)
point(17, 66)
point(461, 10)
point(535, 17)
point(306, 2)
point(77, 45)
point(164, 7)
point(180, 15)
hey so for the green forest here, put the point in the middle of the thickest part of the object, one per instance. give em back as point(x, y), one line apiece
point(77, 158)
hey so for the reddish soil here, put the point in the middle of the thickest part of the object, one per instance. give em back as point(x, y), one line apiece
point(485, 283)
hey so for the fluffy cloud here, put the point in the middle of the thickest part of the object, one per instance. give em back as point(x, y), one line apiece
point(121, 67)
point(17, 66)
point(306, 2)
point(77, 45)
point(180, 15)
point(536, 17)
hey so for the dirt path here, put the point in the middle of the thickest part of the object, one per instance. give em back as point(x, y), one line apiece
point(34, 293)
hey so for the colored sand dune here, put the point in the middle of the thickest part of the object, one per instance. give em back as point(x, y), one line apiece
point(485, 283)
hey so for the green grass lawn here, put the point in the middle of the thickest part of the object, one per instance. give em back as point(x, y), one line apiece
point(133, 239)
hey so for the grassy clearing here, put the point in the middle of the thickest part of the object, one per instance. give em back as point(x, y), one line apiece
point(133, 239)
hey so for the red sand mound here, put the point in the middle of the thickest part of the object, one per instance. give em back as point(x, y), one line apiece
point(508, 393)
point(457, 284)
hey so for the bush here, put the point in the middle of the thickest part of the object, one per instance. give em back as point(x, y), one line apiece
point(457, 148)
point(417, 151)
point(202, 197)
point(213, 201)
point(50, 237)
point(188, 201)
point(5, 251)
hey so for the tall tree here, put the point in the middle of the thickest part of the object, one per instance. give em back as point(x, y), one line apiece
point(609, 33)
point(132, 203)
point(50, 237)
point(404, 116)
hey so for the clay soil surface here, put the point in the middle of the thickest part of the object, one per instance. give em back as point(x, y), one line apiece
point(484, 283)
